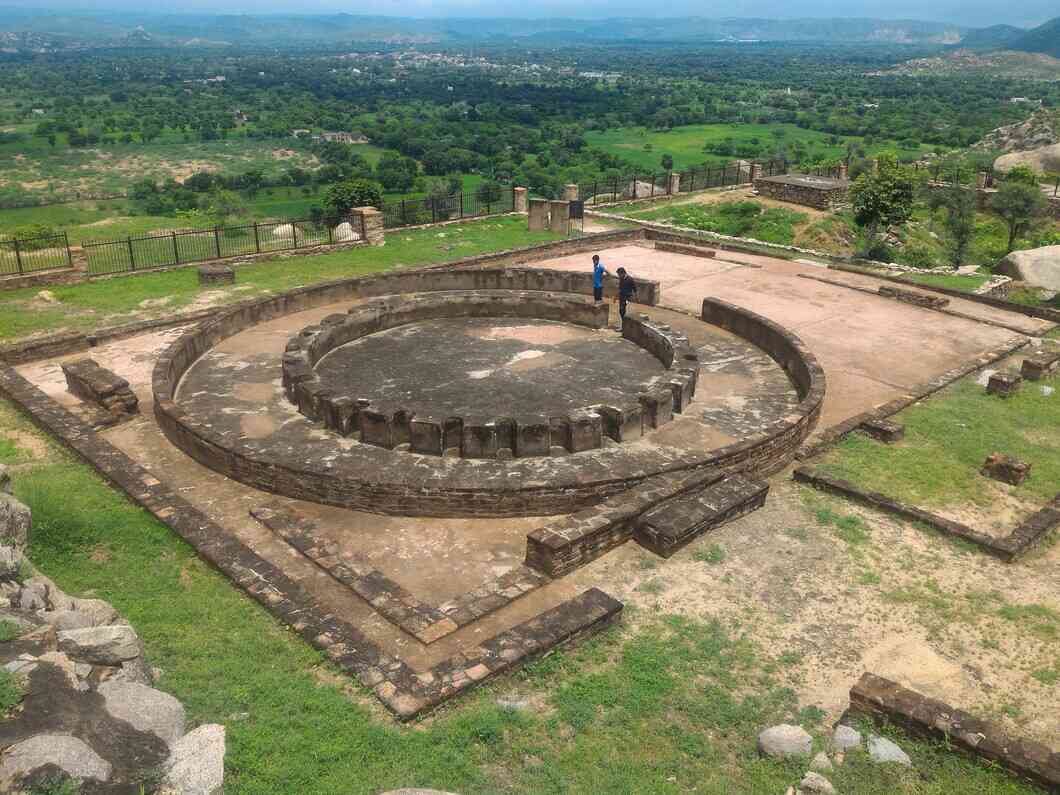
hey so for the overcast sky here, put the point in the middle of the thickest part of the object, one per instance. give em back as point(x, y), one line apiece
point(1025, 13)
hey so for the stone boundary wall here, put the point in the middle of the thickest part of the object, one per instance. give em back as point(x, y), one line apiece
point(405, 692)
point(793, 190)
point(831, 435)
point(888, 702)
point(525, 432)
point(1026, 535)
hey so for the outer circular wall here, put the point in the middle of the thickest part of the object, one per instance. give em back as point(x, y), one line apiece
point(475, 488)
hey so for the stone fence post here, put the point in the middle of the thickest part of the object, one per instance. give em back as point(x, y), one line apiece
point(756, 172)
point(560, 216)
point(844, 171)
point(519, 200)
point(675, 183)
point(980, 180)
point(538, 213)
point(371, 222)
point(570, 193)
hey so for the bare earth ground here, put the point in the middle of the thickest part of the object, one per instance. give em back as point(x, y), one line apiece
point(890, 598)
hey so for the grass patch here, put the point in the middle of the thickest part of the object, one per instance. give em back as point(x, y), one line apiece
point(9, 631)
point(948, 437)
point(967, 284)
point(714, 555)
point(10, 691)
point(735, 218)
point(849, 527)
point(94, 304)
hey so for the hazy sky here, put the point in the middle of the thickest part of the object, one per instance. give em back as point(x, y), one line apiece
point(964, 12)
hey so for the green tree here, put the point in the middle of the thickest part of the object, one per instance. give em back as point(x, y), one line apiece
point(342, 197)
point(489, 192)
point(1018, 204)
point(667, 162)
point(959, 205)
point(883, 199)
point(223, 205)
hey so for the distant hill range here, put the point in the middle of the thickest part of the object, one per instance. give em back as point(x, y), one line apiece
point(41, 30)
point(1042, 39)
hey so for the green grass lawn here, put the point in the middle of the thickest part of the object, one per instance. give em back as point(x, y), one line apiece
point(93, 304)
point(735, 218)
point(671, 707)
point(966, 283)
point(685, 144)
point(947, 438)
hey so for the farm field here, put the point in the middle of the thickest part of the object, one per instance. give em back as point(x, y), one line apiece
point(645, 147)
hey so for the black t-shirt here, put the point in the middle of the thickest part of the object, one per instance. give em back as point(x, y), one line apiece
point(626, 286)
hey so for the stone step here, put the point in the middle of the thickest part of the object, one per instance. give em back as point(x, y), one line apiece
point(669, 526)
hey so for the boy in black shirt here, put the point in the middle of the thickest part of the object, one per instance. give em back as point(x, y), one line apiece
point(627, 288)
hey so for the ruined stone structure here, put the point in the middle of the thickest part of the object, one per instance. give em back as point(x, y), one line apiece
point(97, 385)
point(822, 193)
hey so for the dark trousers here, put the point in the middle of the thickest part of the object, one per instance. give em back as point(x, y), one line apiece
point(598, 294)
point(622, 306)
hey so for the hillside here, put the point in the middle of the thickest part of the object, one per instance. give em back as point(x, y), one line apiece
point(1044, 38)
point(74, 29)
point(1041, 129)
point(996, 37)
point(1003, 63)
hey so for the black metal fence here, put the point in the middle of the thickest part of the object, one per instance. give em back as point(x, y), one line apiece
point(435, 209)
point(197, 245)
point(30, 255)
point(647, 186)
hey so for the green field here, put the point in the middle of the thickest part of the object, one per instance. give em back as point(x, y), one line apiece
point(685, 144)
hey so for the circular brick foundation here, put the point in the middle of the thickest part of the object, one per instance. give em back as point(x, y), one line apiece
point(305, 465)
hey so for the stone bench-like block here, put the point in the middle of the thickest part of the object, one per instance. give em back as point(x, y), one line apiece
point(94, 384)
point(216, 275)
point(1003, 384)
point(586, 431)
point(884, 431)
point(1035, 368)
point(1007, 469)
point(658, 407)
point(533, 436)
point(427, 436)
point(479, 439)
point(622, 424)
point(913, 297)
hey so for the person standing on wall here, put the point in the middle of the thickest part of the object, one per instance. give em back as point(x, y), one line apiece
point(627, 288)
point(599, 271)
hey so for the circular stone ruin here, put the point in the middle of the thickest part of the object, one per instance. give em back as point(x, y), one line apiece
point(487, 374)
point(479, 393)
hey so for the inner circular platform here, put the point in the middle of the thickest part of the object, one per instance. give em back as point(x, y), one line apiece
point(492, 367)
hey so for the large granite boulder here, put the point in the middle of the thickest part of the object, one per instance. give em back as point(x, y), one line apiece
point(1037, 266)
point(71, 755)
point(111, 645)
point(15, 522)
point(196, 764)
point(144, 708)
point(1041, 160)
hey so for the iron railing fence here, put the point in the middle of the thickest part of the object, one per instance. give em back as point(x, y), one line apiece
point(29, 255)
point(435, 209)
point(198, 245)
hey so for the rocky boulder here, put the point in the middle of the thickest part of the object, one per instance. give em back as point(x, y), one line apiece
point(196, 764)
point(1037, 266)
point(785, 740)
point(883, 750)
point(70, 755)
point(1041, 160)
point(14, 522)
point(5, 480)
point(144, 708)
point(111, 645)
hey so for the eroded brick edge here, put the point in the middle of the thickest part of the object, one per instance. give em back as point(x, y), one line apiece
point(405, 692)
point(1023, 537)
point(885, 701)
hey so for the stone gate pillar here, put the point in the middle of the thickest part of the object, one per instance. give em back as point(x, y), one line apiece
point(560, 216)
point(570, 193)
point(519, 200)
point(980, 180)
point(675, 183)
point(370, 221)
point(756, 172)
point(538, 215)
point(844, 171)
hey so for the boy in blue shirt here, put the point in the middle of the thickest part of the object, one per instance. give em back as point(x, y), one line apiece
point(599, 271)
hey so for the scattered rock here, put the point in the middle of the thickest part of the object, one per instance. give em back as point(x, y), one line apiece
point(63, 620)
point(513, 704)
point(883, 750)
point(23, 664)
point(48, 297)
point(144, 708)
point(70, 755)
point(66, 665)
point(196, 762)
point(845, 737)
point(136, 670)
point(14, 522)
point(821, 762)
point(1041, 159)
point(99, 611)
point(5, 480)
point(785, 740)
point(32, 598)
point(1037, 266)
point(815, 782)
point(344, 233)
point(10, 563)
point(110, 645)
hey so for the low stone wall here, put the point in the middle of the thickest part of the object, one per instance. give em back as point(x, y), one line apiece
point(888, 702)
point(913, 297)
point(807, 190)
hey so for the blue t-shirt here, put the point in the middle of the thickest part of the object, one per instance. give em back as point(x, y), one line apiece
point(598, 274)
